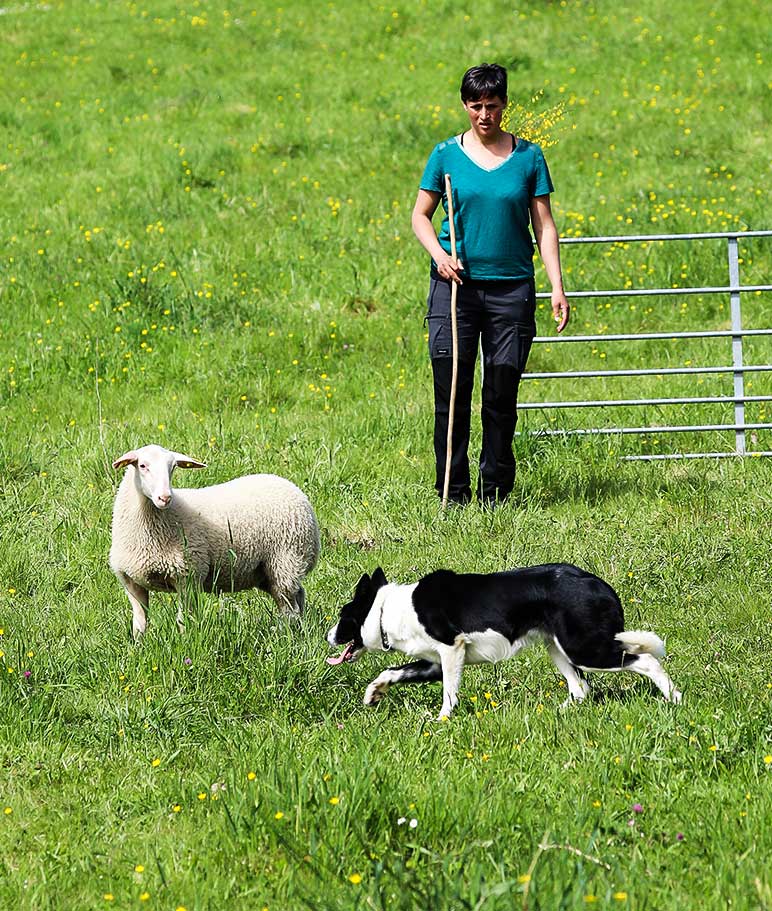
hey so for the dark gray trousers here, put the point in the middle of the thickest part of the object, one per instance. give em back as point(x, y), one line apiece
point(499, 318)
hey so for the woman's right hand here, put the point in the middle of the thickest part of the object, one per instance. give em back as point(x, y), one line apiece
point(425, 206)
point(450, 268)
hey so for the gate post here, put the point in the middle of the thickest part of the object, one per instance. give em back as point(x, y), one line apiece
point(737, 344)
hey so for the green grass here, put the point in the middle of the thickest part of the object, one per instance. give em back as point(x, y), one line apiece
point(206, 243)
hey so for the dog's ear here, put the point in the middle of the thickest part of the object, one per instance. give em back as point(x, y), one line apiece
point(379, 578)
point(363, 586)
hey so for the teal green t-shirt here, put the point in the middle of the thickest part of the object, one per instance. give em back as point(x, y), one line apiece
point(491, 208)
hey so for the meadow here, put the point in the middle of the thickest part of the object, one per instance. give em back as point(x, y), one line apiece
point(205, 242)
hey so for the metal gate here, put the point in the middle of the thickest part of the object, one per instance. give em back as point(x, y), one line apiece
point(737, 369)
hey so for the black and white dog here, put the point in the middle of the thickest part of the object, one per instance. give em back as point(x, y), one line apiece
point(448, 619)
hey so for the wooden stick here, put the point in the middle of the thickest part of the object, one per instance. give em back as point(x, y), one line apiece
point(454, 335)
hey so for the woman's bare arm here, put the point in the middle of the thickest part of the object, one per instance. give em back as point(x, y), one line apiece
point(547, 241)
point(425, 206)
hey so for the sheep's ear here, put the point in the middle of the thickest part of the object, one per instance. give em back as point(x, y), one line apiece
point(128, 458)
point(183, 461)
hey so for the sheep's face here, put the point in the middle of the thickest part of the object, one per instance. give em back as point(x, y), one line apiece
point(153, 474)
point(153, 467)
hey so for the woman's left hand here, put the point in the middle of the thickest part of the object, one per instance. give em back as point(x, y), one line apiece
point(561, 309)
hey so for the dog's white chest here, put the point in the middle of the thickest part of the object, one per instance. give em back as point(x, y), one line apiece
point(490, 646)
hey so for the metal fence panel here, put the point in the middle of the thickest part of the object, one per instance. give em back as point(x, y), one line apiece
point(738, 368)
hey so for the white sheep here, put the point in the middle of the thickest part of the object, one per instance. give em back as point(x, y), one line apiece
point(257, 531)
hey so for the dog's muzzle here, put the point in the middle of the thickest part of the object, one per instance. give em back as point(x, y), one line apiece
point(349, 653)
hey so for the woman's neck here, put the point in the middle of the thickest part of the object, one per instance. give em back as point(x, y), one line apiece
point(489, 149)
point(489, 142)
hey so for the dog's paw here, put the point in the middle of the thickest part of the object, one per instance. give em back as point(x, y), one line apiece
point(576, 698)
point(375, 692)
point(676, 696)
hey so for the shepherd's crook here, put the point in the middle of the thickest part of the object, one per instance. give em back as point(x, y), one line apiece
point(454, 335)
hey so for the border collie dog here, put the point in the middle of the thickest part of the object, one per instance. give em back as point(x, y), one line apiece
point(449, 619)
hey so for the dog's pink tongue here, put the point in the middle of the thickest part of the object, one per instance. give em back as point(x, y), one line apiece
point(343, 656)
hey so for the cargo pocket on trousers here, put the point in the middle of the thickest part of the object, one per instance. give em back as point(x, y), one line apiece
point(513, 349)
point(438, 321)
point(522, 348)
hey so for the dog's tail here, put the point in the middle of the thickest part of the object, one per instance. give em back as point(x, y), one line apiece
point(639, 642)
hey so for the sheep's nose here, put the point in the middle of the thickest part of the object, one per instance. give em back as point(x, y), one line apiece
point(163, 500)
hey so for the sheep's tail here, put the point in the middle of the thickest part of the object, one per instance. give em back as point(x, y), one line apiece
point(639, 642)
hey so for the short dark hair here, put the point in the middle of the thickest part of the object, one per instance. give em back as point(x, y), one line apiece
point(488, 80)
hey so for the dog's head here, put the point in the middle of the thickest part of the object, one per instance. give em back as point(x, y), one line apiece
point(348, 630)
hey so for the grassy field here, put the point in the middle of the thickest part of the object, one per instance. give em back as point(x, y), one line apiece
point(206, 244)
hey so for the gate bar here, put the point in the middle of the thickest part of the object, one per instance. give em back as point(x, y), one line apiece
point(661, 292)
point(676, 428)
point(653, 371)
point(625, 238)
point(634, 336)
point(696, 455)
point(699, 400)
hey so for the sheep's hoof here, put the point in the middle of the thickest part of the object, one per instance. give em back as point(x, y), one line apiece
point(288, 605)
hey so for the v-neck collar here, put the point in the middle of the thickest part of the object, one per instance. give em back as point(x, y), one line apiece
point(477, 163)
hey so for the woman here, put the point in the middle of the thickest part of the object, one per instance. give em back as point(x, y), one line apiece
point(500, 183)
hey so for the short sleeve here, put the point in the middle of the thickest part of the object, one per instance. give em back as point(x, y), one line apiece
point(541, 182)
point(433, 178)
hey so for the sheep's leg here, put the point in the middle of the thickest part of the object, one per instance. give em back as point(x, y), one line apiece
point(288, 602)
point(190, 586)
point(299, 602)
point(283, 587)
point(139, 598)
